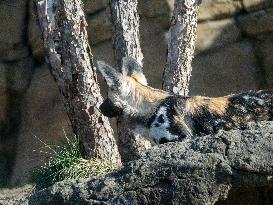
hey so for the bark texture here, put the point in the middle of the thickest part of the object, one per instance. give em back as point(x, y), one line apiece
point(181, 45)
point(63, 26)
point(126, 42)
point(235, 164)
point(126, 38)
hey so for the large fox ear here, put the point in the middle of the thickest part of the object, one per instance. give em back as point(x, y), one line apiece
point(113, 78)
point(130, 67)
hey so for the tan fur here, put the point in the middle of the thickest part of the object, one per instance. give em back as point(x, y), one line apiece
point(214, 105)
point(144, 98)
point(180, 121)
point(139, 77)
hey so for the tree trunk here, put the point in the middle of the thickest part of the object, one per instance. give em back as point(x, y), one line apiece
point(65, 37)
point(126, 42)
point(181, 45)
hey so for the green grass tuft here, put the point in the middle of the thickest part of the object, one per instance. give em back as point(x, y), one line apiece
point(67, 163)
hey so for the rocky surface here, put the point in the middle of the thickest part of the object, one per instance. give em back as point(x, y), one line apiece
point(219, 9)
point(13, 27)
point(236, 71)
point(234, 53)
point(16, 196)
point(257, 22)
point(208, 170)
point(217, 34)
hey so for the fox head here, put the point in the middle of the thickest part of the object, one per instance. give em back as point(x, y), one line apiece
point(149, 108)
point(169, 117)
point(128, 91)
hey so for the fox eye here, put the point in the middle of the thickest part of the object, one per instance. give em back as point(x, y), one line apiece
point(160, 119)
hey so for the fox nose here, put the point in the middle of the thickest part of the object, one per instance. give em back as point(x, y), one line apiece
point(163, 140)
point(108, 109)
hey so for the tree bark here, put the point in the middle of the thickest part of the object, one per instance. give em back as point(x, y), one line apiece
point(181, 45)
point(126, 38)
point(65, 37)
point(126, 42)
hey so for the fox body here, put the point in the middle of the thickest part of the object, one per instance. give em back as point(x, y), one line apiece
point(169, 117)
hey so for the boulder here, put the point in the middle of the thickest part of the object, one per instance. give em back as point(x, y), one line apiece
point(93, 6)
point(3, 111)
point(103, 52)
point(99, 26)
point(3, 115)
point(154, 8)
point(16, 196)
point(3, 79)
point(154, 50)
point(218, 9)
point(35, 40)
point(253, 5)
point(265, 49)
point(14, 81)
point(18, 74)
point(256, 23)
point(158, 10)
point(204, 170)
point(231, 69)
point(43, 119)
point(216, 34)
point(13, 27)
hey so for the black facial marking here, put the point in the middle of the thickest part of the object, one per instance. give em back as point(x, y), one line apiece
point(160, 119)
point(108, 109)
point(163, 140)
point(157, 125)
point(151, 120)
point(171, 103)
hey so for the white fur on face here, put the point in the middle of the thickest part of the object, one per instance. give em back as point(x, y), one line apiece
point(159, 127)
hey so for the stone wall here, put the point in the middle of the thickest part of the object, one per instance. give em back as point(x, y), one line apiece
point(234, 53)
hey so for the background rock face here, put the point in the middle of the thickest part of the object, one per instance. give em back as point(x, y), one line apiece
point(233, 53)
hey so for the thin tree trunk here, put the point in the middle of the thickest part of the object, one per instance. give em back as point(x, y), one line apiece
point(126, 42)
point(126, 38)
point(181, 45)
point(63, 26)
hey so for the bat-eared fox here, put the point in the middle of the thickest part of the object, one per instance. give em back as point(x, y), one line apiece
point(170, 117)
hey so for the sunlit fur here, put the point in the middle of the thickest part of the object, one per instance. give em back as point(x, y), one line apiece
point(141, 100)
point(214, 105)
